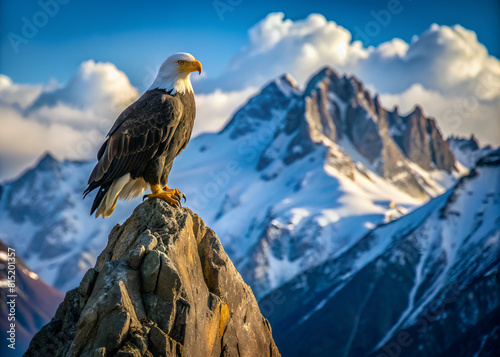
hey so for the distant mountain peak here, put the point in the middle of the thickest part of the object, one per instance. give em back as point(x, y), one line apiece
point(326, 71)
point(275, 97)
point(472, 142)
point(491, 159)
point(325, 74)
point(417, 111)
point(47, 160)
point(333, 109)
point(287, 81)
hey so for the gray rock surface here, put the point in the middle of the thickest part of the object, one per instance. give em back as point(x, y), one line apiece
point(163, 286)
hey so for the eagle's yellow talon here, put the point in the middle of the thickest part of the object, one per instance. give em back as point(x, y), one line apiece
point(171, 196)
point(166, 196)
point(178, 195)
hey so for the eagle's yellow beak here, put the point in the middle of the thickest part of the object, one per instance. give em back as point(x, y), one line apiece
point(186, 66)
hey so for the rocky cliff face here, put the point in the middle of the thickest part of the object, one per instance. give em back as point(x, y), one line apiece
point(163, 286)
point(341, 108)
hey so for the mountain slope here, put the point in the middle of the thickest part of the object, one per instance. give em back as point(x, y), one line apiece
point(467, 151)
point(425, 284)
point(35, 303)
point(295, 178)
point(44, 218)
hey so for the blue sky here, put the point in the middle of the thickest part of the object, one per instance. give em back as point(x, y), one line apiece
point(137, 36)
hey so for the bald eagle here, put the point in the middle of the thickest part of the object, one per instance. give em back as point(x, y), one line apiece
point(142, 144)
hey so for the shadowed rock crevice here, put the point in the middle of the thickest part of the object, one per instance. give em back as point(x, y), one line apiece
point(163, 286)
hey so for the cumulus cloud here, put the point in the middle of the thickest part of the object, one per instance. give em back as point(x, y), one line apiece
point(100, 86)
point(448, 72)
point(445, 69)
point(447, 59)
point(277, 45)
point(214, 109)
point(17, 95)
point(70, 120)
point(23, 140)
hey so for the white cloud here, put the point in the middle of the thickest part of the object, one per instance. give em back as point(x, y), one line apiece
point(17, 95)
point(277, 46)
point(446, 69)
point(26, 139)
point(214, 109)
point(97, 86)
point(443, 58)
point(70, 121)
point(447, 59)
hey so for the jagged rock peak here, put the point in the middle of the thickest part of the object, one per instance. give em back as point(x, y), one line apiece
point(275, 97)
point(472, 143)
point(416, 111)
point(286, 81)
point(163, 286)
point(47, 160)
point(395, 110)
point(326, 73)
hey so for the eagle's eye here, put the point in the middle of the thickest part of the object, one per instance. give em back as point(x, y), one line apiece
point(180, 62)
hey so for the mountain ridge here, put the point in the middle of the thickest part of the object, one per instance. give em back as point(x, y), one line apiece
point(298, 181)
point(425, 274)
point(279, 150)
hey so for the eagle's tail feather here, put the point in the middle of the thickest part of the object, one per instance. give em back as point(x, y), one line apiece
point(105, 200)
point(101, 193)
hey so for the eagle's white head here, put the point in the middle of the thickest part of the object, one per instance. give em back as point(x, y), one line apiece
point(174, 73)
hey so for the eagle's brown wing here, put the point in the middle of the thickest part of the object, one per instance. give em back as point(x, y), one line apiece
point(139, 132)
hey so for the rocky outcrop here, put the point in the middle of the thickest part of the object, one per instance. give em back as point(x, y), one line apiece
point(423, 143)
point(163, 286)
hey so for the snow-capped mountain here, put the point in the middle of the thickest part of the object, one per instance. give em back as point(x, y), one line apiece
point(44, 218)
point(297, 177)
point(427, 284)
point(467, 151)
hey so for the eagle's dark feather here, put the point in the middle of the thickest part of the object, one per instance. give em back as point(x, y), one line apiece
point(144, 140)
